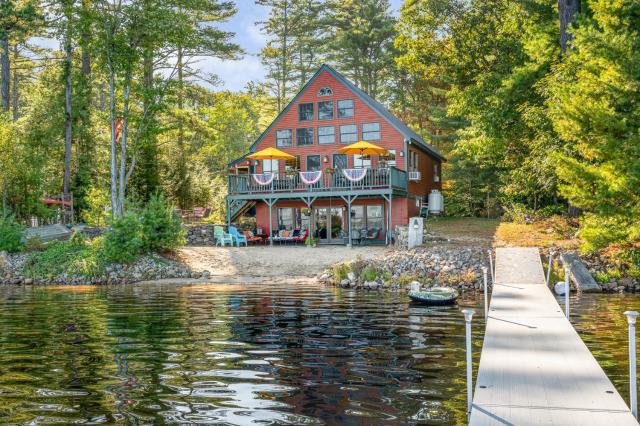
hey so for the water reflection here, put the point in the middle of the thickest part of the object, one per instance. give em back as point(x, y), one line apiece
point(228, 354)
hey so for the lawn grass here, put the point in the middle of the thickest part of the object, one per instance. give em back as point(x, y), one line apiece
point(463, 227)
point(555, 231)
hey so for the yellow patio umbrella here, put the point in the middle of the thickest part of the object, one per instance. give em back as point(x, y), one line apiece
point(363, 148)
point(271, 154)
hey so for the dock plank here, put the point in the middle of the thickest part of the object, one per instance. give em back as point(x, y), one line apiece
point(534, 367)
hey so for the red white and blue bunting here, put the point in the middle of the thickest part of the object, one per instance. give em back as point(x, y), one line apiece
point(310, 178)
point(264, 179)
point(354, 175)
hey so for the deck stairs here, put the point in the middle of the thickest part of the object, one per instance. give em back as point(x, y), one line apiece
point(424, 207)
point(239, 207)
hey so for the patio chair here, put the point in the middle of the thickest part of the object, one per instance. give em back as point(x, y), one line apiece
point(303, 238)
point(221, 237)
point(371, 234)
point(251, 238)
point(238, 238)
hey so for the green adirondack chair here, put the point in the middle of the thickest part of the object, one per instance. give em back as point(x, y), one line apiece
point(221, 237)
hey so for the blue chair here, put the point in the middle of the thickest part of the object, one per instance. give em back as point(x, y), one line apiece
point(238, 238)
point(221, 237)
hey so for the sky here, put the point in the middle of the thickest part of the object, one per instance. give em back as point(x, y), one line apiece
point(235, 75)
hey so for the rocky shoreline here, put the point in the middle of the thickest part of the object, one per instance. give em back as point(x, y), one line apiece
point(458, 267)
point(147, 268)
point(455, 266)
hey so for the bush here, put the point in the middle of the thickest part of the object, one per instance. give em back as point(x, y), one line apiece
point(369, 274)
point(74, 257)
point(34, 243)
point(162, 229)
point(340, 271)
point(11, 233)
point(123, 243)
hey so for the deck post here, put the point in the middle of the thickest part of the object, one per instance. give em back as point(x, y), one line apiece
point(468, 315)
point(228, 213)
point(493, 276)
point(633, 384)
point(567, 290)
point(486, 297)
point(551, 254)
point(389, 230)
point(349, 220)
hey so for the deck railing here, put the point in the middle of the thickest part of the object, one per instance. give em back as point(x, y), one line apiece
point(382, 178)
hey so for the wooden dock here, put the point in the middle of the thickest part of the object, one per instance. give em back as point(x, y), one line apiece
point(534, 368)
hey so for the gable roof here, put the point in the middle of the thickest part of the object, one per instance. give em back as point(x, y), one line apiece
point(372, 103)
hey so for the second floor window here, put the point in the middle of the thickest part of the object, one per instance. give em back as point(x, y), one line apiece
point(313, 163)
point(284, 138)
point(325, 110)
point(348, 133)
point(326, 135)
point(305, 112)
point(270, 166)
point(361, 161)
point(371, 131)
point(345, 108)
point(304, 136)
point(390, 158)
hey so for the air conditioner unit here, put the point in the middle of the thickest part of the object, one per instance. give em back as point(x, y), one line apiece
point(414, 176)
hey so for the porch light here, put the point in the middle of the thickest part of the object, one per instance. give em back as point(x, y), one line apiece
point(326, 159)
point(402, 153)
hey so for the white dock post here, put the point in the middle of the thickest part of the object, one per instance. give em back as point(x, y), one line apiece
point(633, 384)
point(493, 276)
point(468, 315)
point(486, 297)
point(567, 290)
point(551, 254)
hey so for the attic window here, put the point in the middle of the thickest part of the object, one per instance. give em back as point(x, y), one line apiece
point(325, 91)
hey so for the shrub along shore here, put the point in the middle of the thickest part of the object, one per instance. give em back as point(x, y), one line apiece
point(135, 247)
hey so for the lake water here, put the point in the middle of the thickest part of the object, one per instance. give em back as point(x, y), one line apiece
point(249, 354)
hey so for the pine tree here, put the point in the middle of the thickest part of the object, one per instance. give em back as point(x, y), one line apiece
point(361, 46)
point(594, 104)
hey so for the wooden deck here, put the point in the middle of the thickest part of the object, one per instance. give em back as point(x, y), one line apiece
point(534, 368)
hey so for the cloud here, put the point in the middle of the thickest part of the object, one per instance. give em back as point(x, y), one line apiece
point(234, 74)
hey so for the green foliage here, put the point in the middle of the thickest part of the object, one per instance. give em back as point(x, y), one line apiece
point(161, 227)
point(340, 271)
point(593, 102)
point(11, 233)
point(124, 243)
point(95, 200)
point(404, 280)
point(369, 274)
point(34, 243)
point(74, 257)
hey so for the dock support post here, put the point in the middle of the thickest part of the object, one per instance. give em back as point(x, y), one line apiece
point(633, 384)
point(486, 297)
point(567, 291)
point(493, 276)
point(468, 315)
point(551, 254)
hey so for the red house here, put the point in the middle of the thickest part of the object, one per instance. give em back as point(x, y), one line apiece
point(329, 113)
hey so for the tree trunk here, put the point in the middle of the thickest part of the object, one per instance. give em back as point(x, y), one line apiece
point(67, 111)
point(182, 161)
point(567, 10)
point(15, 94)
point(6, 73)
point(116, 209)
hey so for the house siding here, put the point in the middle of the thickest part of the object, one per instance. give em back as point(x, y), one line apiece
point(390, 138)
